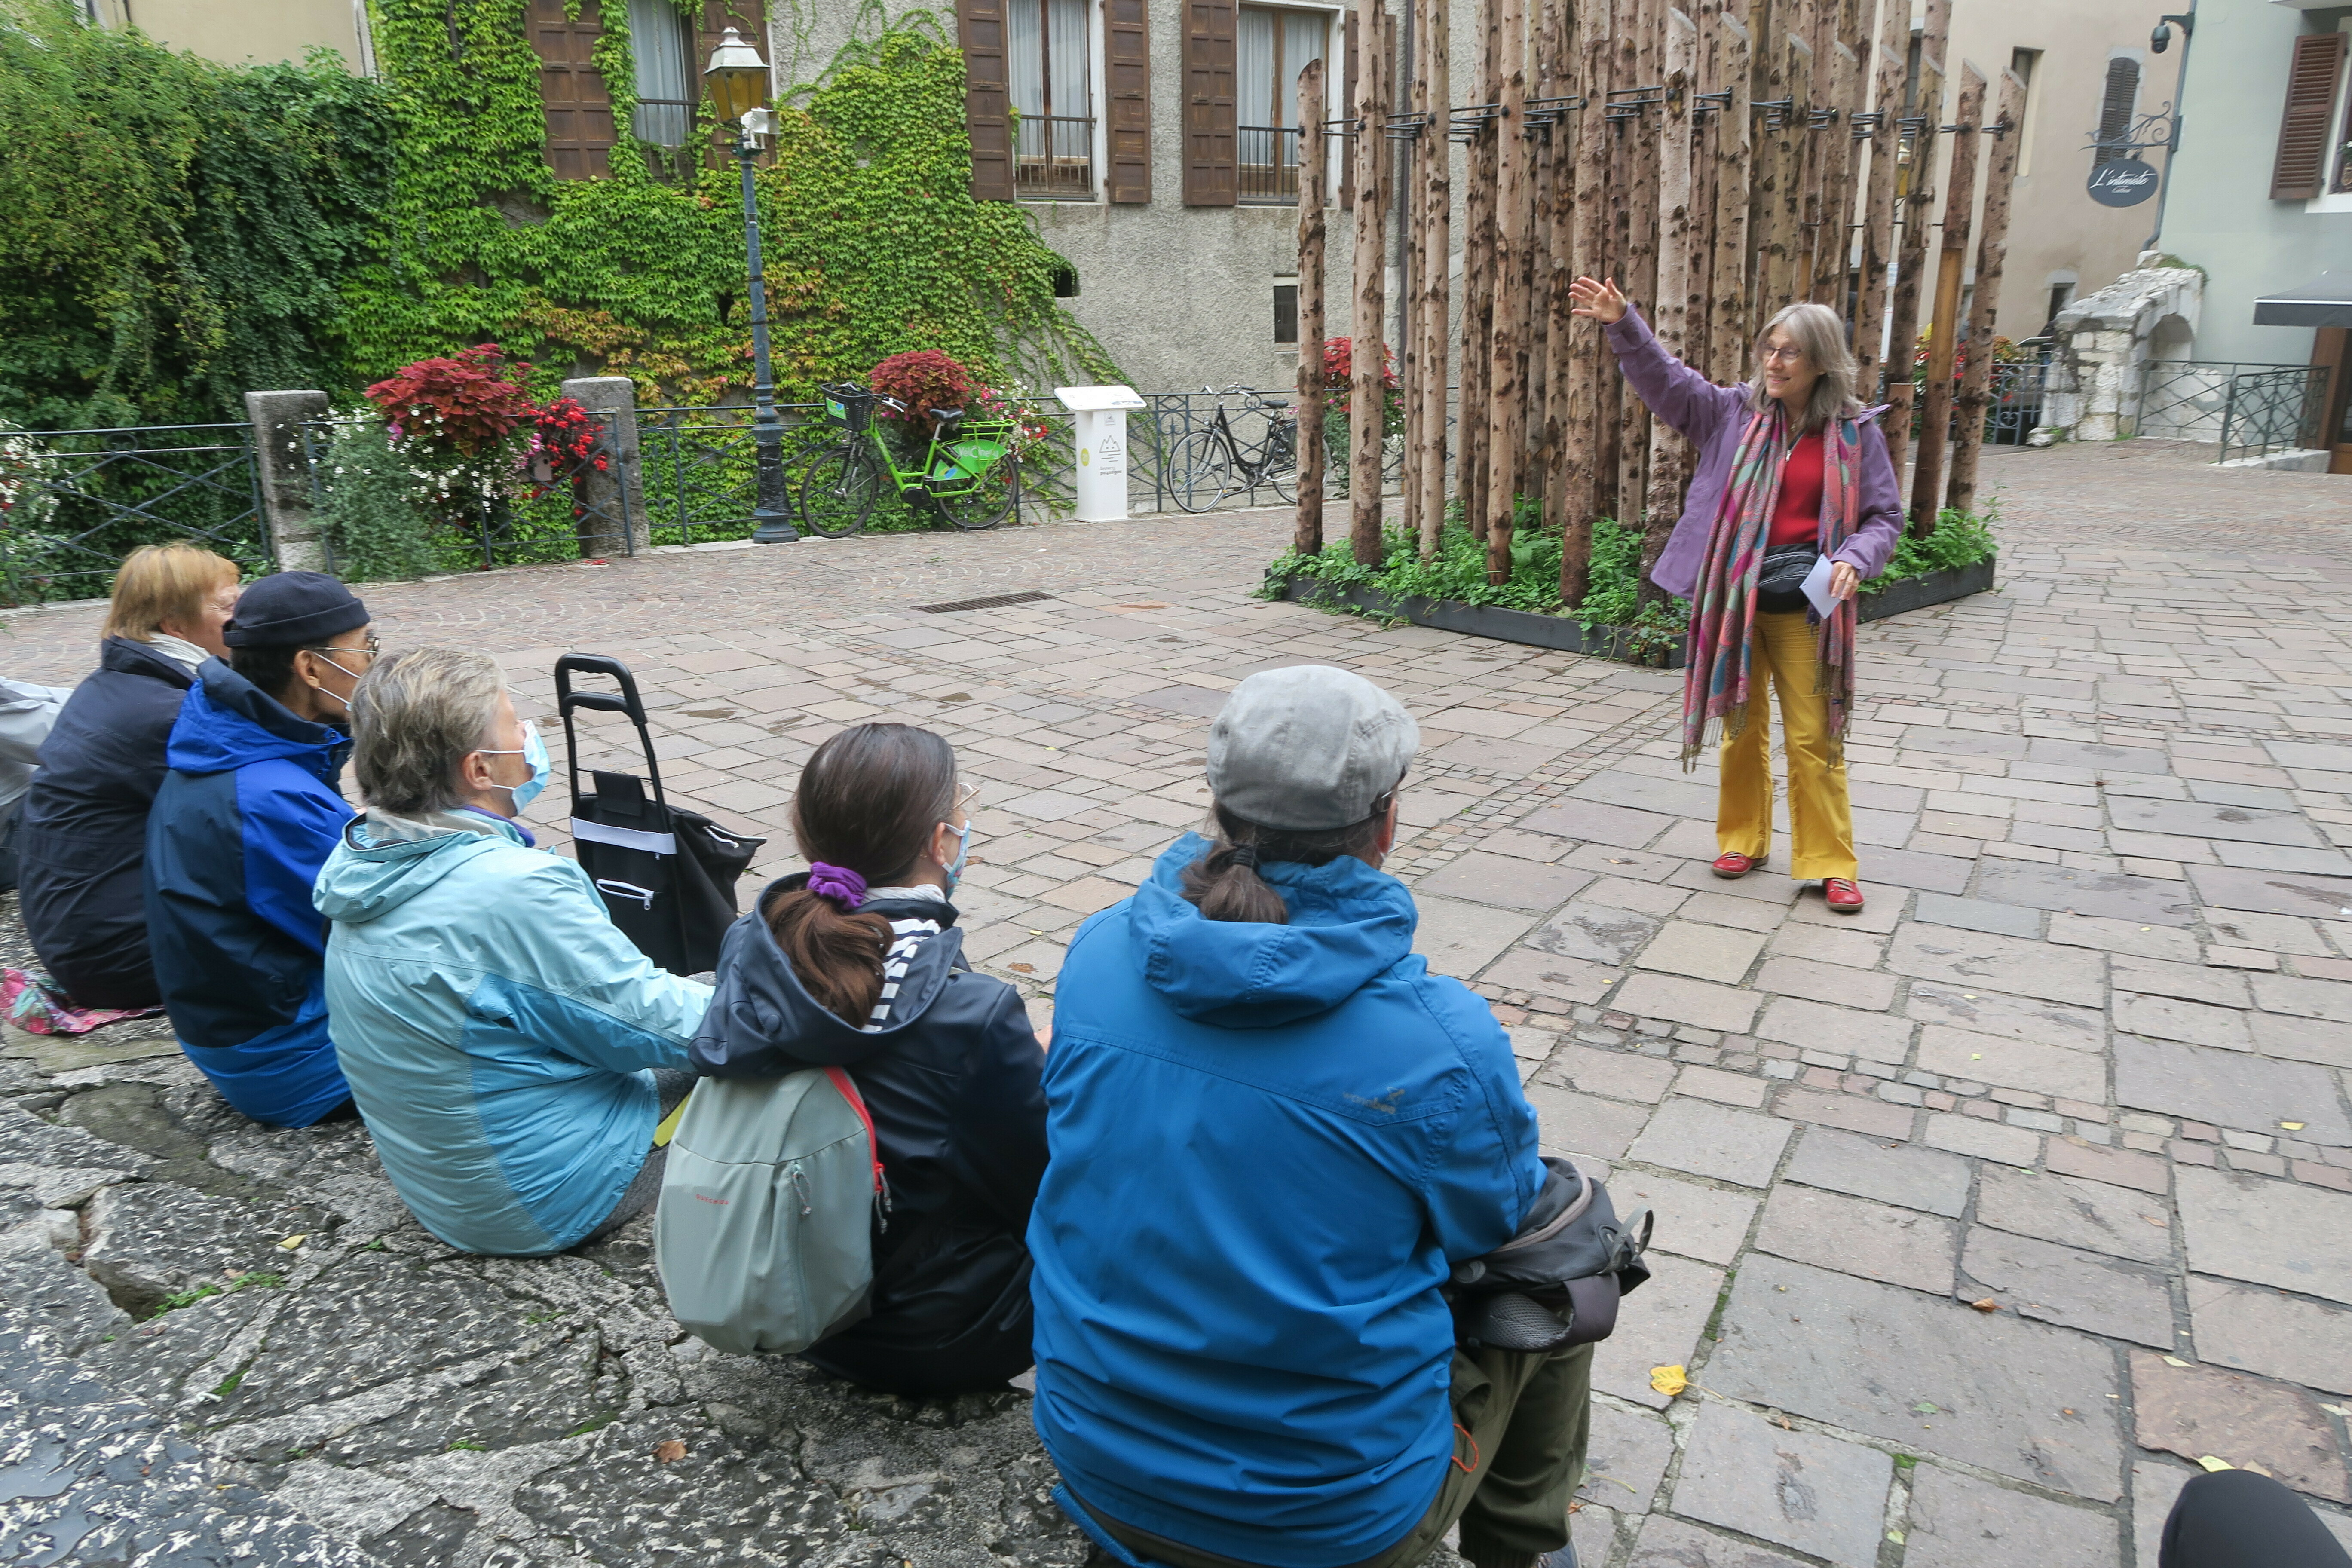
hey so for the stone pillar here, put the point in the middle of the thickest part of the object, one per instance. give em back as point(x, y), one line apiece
point(619, 490)
point(286, 493)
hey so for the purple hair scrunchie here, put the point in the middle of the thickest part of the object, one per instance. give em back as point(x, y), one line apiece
point(838, 883)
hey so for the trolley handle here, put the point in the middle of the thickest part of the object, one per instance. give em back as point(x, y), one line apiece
point(628, 704)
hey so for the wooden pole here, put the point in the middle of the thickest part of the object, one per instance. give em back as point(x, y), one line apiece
point(1436, 262)
point(1505, 389)
point(1678, 58)
point(1308, 540)
point(1637, 53)
point(1993, 252)
point(1556, 184)
point(1813, 144)
point(1367, 408)
point(1411, 189)
point(1589, 364)
point(1794, 17)
point(1834, 251)
point(1728, 309)
point(1918, 199)
point(1478, 287)
point(1878, 199)
point(1944, 332)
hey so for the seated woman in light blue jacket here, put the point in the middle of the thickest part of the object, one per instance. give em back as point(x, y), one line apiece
point(511, 1049)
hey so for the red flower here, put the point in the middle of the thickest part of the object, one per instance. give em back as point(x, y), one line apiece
point(924, 379)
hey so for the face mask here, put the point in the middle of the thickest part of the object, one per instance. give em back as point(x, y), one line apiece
point(963, 851)
point(533, 752)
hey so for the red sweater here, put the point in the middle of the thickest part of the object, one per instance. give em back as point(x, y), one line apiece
point(1796, 518)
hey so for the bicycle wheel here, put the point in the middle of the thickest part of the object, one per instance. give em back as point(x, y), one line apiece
point(989, 501)
point(1282, 464)
point(1200, 472)
point(838, 489)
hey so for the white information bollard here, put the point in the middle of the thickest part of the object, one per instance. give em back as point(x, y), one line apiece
point(1102, 423)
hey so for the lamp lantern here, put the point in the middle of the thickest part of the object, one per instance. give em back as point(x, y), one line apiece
point(737, 76)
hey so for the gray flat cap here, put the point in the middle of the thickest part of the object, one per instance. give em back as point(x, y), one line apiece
point(1308, 748)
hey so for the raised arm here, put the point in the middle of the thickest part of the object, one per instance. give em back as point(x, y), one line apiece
point(1676, 393)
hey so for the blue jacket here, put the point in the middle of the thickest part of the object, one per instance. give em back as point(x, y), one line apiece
point(497, 1029)
point(246, 815)
point(1270, 1144)
point(82, 840)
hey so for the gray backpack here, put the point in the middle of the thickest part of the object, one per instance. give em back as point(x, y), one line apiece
point(764, 1232)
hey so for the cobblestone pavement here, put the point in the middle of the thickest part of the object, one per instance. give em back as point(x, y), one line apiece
point(1981, 1217)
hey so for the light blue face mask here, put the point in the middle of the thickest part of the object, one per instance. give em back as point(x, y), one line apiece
point(964, 852)
point(534, 751)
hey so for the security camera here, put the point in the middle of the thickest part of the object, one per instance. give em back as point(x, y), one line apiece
point(2162, 39)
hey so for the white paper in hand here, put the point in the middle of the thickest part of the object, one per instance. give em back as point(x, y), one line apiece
point(1817, 589)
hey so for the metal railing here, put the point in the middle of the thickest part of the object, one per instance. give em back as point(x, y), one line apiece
point(2188, 400)
point(2017, 389)
point(1054, 158)
point(1267, 165)
point(365, 501)
point(85, 498)
point(2273, 411)
point(701, 472)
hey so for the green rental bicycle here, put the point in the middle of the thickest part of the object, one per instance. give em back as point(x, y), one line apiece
point(970, 473)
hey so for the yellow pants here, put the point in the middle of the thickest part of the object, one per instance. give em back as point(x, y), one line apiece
point(1783, 652)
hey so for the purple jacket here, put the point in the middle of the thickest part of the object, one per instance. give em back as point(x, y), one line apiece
point(1713, 418)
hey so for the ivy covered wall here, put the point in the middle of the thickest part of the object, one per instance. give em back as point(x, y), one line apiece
point(873, 242)
point(183, 232)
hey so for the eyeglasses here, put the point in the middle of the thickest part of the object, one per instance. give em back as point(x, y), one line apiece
point(373, 646)
point(1789, 352)
point(965, 795)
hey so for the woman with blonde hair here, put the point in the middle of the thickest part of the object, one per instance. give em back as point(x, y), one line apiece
point(1793, 472)
point(82, 841)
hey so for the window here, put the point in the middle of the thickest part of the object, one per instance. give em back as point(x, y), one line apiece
point(2022, 64)
point(2116, 111)
point(2060, 296)
point(667, 80)
point(1274, 48)
point(578, 108)
point(1285, 312)
point(1048, 64)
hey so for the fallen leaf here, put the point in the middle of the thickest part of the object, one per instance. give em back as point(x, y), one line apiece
point(2174, 1361)
point(1926, 1408)
point(1895, 1536)
point(2158, 1220)
point(291, 1243)
point(1028, 968)
point(669, 1452)
point(2210, 1463)
point(1987, 1305)
point(1669, 1380)
point(1782, 1422)
point(2291, 1126)
point(1973, 1055)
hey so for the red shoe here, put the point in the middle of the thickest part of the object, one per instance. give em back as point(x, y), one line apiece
point(1732, 867)
point(1844, 896)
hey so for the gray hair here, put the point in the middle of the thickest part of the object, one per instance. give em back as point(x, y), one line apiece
point(1821, 335)
point(414, 717)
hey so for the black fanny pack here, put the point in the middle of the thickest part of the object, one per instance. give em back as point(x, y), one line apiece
point(1780, 580)
point(1556, 1283)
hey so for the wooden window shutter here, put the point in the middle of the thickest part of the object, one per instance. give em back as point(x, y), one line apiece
point(2116, 107)
point(1211, 112)
point(572, 94)
point(987, 98)
point(2301, 168)
point(1127, 62)
point(1346, 110)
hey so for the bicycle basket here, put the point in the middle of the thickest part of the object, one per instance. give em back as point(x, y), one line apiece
point(849, 407)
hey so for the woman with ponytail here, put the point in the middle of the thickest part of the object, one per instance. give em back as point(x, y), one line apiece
point(858, 964)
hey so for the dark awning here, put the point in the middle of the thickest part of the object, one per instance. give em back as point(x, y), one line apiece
point(2325, 301)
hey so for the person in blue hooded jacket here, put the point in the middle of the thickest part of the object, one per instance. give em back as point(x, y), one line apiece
point(511, 1049)
point(1274, 1134)
point(248, 809)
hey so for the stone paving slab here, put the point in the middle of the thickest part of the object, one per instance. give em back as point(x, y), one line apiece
point(2105, 977)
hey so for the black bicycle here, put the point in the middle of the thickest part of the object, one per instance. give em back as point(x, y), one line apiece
point(1209, 464)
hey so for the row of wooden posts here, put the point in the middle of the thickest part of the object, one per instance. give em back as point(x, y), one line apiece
point(1719, 159)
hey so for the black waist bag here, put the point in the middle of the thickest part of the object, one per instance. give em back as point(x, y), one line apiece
point(1780, 580)
point(1557, 1283)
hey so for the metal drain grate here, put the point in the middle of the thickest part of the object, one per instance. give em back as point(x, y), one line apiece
point(991, 603)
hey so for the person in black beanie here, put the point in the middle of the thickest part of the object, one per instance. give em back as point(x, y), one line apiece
point(248, 811)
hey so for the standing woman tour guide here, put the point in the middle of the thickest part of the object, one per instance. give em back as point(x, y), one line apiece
point(1791, 469)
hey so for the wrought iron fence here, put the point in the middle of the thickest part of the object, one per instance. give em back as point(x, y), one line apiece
point(85, 498)
point(2188, 400)
point(702, 469)
point(2017, 389)
point(382, 513)
point(2273, 411)
point(1053, 157)
point(1267, 160)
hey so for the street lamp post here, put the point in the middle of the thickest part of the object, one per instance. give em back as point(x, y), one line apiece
point(738, 79)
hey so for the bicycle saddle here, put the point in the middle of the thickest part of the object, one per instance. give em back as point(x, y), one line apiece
point(944, 415)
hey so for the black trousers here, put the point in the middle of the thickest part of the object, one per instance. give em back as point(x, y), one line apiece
point(2236, 1519)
